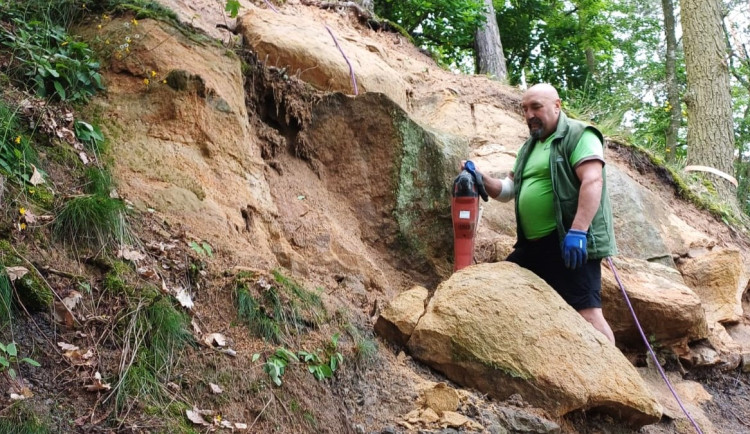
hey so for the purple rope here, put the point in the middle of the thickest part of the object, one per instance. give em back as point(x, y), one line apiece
point(351, 69)
point(271, 6)
point(651, 350)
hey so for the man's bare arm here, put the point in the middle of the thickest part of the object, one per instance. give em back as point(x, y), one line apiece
point(590, 194)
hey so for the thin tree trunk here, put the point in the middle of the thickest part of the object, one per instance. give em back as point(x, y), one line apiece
point(673, 89)
point(710, 125)
point(489, 48)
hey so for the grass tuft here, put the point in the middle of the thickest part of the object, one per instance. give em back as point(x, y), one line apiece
point(6, 297)
point(92, 221)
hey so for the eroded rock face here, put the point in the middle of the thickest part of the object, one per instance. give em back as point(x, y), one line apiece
point(307, 49)
point(398, 319)
point(715, 277)
point(502, 330)
point(657, 292)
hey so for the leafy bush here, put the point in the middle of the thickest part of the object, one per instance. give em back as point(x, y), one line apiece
point(46, 57)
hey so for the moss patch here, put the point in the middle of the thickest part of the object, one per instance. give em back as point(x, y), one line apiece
point(32, 290)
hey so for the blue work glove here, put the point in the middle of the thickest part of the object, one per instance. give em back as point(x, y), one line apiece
point(469, 167)
point(574, 249)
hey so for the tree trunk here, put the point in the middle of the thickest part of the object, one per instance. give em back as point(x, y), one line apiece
point(710, 125)
point(673, 89)
point(490, 57)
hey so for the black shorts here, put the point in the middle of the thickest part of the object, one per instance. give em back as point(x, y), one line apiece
point(580, 288)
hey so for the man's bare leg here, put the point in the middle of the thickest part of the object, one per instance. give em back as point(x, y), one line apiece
point(595, 316)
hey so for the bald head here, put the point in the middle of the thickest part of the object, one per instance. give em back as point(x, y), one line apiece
point(541, 108)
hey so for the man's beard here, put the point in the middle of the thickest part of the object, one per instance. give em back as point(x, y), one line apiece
point(536, 128)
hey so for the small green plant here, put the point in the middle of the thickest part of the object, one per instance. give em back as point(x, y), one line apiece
point(320, 368)
point(202, 249)
point(21, 418)
point(90, 135)
point(6, 297)
point(92, 220)
point(276, 364)
point(233, 7)
point(8, 356)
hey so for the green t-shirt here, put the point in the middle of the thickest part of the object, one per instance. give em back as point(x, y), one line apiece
point(535, 202)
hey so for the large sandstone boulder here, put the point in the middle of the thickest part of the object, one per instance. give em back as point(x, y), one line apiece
point(398, 319)
point(307, 49)
point(657, 293)
point(716, 278)
point(502, 330)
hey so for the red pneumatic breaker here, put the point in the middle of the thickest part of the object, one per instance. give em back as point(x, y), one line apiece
point(467, 188)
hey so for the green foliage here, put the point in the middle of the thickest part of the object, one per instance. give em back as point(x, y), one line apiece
point(275, 311)
point(44, 56)
point(233, 7)
point(444, 27)
point(276, 364)
point(6, 298)
point(323, 367)
point(9, 357)
point(157, 333)
point(91, 220)
point(202, 249)
point(16, 153)
point(142, 9)
point(168, 332)
point(90, 135)
point(20, 418)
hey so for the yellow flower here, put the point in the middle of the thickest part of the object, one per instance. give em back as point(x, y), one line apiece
point(127, 49)
point(153, 73)
point(32, 191)
point(164, 81)
point(22, 211)
point(107, 42)
point(99, 27)
point(146, 81)
point(668, 150)
point(18, 140)
point(64, 44)
point(134, 21)
point(22, 226)
point(105, 17)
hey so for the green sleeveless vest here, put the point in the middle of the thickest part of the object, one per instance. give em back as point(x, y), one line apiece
point(565, 186)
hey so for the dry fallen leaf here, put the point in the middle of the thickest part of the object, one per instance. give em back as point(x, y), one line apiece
point(67, 347)
point(98, 385)
point(83, 157)
point(240, 425)
point(215, 388)
point(196, 327)
point(62, 314)
point(130, 254)
point(196, 416)
point(15, 273)
point(36, 177)
point(72, 300)
point(19, 392)
point(146, 272)
point(215, 340)
point(184, 298)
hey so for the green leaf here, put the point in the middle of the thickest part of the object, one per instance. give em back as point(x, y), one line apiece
point(3, 348)
point(60, 90)
point(233, 7)
point(12, 373)
point(196, 248)
point(208, 249)
point(255, 358)
point(31, 362)
point(12, 350)
point(4, 362)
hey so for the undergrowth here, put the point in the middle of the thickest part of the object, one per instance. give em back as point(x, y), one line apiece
point(277, 310)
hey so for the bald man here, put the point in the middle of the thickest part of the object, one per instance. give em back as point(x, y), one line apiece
point(563, 214)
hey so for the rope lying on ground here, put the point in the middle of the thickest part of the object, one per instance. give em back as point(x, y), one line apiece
point(651, 350)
